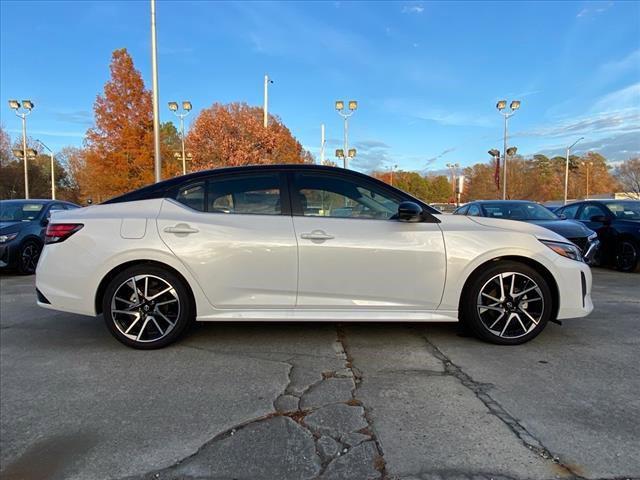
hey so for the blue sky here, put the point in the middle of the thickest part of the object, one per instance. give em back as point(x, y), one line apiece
point(426, 75)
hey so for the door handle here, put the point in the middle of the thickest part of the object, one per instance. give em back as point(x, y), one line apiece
point(181, 228)
point(316, 235)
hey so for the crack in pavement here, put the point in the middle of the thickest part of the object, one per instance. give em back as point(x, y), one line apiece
point(480, 391)
point(328, 439)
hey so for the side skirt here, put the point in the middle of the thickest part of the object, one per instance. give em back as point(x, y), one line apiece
point(328, 315)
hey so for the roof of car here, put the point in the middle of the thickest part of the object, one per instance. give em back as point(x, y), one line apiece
point(165, 185)
point(35, 200)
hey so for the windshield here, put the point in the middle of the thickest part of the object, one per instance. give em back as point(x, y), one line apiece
point(19, 211)
point(625, 210)
point(518, 211)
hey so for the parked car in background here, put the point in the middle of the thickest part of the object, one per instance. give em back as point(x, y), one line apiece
point(444, 207)
point(617, 223)
point(532, 212)
point(306, 243)
point(22, 228)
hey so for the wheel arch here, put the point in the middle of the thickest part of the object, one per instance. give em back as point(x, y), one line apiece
point(537, 266)
point(102, 287)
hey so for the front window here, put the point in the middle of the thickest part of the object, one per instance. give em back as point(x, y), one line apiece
point(518, 211)
point(334, 196)
point(19, 211)
point(591, 211)
point(625, 210)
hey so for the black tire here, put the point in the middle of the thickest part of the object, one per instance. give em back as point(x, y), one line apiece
point(512, 307)
point(627, 256)
point(148, 328)
point(28, 256)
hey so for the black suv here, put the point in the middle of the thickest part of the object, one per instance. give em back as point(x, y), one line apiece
point(617, 223)
point(22, 227)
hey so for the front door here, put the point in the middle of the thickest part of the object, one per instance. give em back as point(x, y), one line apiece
point(354, 255)
point(232, 234)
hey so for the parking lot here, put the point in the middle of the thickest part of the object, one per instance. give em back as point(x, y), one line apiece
point(343, 401)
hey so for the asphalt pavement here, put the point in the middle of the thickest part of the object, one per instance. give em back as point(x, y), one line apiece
point(310, 400)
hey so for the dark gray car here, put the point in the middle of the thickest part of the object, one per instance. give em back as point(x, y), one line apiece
point(525, 211)
point(22, 227)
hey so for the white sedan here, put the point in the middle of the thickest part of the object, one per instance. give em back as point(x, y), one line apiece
point(302, 242)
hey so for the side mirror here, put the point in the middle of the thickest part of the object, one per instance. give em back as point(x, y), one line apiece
point(562, 216)
point(409, 212)
point(45, 221)
point(601, 219)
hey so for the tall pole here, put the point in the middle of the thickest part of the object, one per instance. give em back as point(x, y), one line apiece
point(156, 94)
point(566, 170)
point(265, 110)
point(587, 181)
point(322, 142)
point(24, 155)
point(184, 158)
point(53, 172)
point(346, 142)
point(504, 160)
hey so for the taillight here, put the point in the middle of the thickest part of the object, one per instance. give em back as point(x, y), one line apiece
point(59, 232)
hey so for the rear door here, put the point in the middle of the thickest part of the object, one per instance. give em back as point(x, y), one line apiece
point(235, 234)
point(353, 254)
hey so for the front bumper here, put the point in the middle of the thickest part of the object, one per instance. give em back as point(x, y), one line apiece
point(590, 252)
point(8, 254)
point(574, 289)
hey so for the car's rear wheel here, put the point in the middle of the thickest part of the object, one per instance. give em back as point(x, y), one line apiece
point(28, 256)
point(147, 307)
point(627, 256)
point(507, 303)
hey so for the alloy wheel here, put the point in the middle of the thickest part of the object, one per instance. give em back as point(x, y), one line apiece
point(510, 305)
point(145, 308)
point(29, 257)
point(627, 257)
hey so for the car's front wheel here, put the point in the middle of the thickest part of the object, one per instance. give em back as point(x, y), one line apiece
point(507, 303)
point(147, 307)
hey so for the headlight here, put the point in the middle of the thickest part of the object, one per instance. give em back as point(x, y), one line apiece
point(568, 250)
point(8, 237)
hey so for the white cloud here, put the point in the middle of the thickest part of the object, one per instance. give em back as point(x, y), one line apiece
point(628, 97)
point(416, 8)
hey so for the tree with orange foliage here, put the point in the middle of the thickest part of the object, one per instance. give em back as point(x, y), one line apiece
point(118, 154)
point(233, 134)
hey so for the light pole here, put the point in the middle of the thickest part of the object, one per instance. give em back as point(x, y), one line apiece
point(391, 170)
point(53, 174)
point(27, 106)
point(513, 106)
point(566, 170)
point(157, 163)
point(353, 105)
point(322, 144)
point(454, 170)
point(495, 154)
point(186, 109)
point(265, 109)
point(587, 164)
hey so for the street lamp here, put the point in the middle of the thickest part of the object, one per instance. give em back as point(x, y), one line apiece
point(27, 106)
point(502, 106)
point(454, 171)
point(265, 110)
point(391, 170)
point(53, 174)
point(587, 164)
point(566, 170)
point(186, 109)
point(353, 106)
